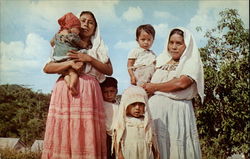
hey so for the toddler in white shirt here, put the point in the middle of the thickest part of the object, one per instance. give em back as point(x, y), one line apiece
point(141, 60)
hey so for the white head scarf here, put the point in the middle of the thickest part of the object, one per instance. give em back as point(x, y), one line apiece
point(190, 62)
point(131, 95)
point(99, 51)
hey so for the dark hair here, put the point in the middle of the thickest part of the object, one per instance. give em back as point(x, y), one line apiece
point(177, 31)
point(109, 82)
point(147, 28)
point(92, 15)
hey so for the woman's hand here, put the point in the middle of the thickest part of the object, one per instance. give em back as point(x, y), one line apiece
point(149, 88)
point(105, 68)
point(79, 56)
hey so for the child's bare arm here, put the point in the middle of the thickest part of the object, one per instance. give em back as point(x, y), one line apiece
point(130, 71)
point(156, 153)
point(120, 155)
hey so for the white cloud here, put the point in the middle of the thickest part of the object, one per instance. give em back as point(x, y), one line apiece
point(208, 14)
point(133, 14)
point(161, 30)
point(22, 57)
point(164, 15)
point(33, 17)
point(125, 45)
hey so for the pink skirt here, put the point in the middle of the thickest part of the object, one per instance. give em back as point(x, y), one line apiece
point(75, 127)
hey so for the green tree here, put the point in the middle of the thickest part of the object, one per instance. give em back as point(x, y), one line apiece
point(23, 113)
point(223, 119)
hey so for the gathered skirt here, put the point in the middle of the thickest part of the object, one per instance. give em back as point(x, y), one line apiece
point(175, 126)
point(75, 127)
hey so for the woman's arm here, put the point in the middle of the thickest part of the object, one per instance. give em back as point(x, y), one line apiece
point(176, 84)
point(130, 64)
point(54, 67)
point(105, 68)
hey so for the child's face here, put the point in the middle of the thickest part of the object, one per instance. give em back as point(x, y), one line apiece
point(145, 40)
point(75, 30)
point(109, 94)
point(136, 109)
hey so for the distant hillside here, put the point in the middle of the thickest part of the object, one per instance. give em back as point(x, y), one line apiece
point(23, 112)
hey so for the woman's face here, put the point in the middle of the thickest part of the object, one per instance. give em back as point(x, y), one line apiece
point(88, 25)
point(176, 46)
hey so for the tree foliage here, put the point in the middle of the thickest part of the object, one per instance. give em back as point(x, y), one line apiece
point(223, 119)
point(23, 113)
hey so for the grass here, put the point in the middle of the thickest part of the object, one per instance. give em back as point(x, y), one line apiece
point(8, 153)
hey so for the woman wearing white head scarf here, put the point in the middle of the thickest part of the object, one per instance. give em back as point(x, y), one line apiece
point(75, 127)
point(177, 80)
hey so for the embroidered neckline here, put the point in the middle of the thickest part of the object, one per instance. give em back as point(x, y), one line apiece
point(169, 67)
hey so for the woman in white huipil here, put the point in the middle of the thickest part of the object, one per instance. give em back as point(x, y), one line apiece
point(177, 80)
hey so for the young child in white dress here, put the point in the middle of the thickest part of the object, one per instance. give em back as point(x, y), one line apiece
point(141, 60)
point(134, 136)
point(65, 40)
point(109, 92)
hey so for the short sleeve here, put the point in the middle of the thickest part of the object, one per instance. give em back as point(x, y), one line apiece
point(133, 54)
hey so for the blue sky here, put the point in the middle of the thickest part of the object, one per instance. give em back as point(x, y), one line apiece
point(27, 26)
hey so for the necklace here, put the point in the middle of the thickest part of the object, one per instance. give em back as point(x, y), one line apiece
point(173, 62)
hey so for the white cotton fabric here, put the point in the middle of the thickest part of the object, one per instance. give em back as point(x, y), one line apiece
point(135, 146)
point(100, 52)
point(175, 126)
point(111, 111)
point(144, 65)
point(164, 75)
point(130, 131)
point(142, 57)
point(190, 63)
point(173, 113)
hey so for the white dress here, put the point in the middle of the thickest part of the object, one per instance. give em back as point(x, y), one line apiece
point(111, 111)
point(134, 145)
point(174, 119)
point(144, 66)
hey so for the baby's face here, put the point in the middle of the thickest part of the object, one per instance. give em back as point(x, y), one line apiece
point(75, 30)
point(145, 40)
point(136, 109)
point(109, 94)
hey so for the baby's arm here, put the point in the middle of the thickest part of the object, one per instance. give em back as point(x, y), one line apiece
point(52, 41)
point(77, 41)
point(130, 71)
point(120, 155)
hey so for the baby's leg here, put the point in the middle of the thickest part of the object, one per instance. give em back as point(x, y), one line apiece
point(67, 78)
point(73, 82)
